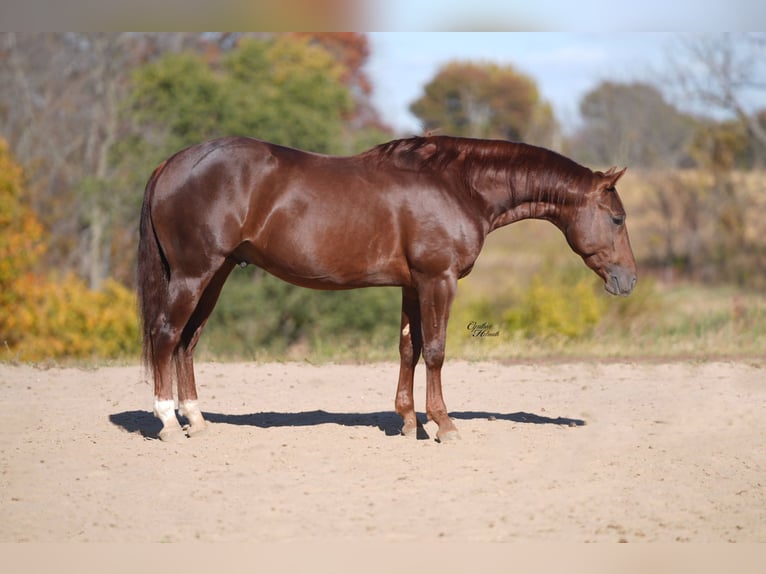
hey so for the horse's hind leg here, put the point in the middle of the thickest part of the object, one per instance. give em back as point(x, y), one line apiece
point(167, 333)
point(188, 405)
point(165, 338)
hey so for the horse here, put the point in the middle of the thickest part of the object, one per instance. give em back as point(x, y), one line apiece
point(412, 213)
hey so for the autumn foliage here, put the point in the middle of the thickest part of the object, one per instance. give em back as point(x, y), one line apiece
point(49, 317)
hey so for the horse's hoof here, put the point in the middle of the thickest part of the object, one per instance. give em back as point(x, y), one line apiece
point(448, 436)
point(173, 435)
point(196, 429)
point(410, 430)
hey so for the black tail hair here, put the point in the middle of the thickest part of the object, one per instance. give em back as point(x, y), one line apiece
point(153, 273)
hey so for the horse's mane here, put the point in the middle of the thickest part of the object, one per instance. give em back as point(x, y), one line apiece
point(539, 167)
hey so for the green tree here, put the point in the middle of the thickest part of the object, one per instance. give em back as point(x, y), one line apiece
point(281, 89)
point(484, 100)
point(180, 99)
point(286, 90)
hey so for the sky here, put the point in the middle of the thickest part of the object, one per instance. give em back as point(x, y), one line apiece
point(565, 66)
point(566, 15)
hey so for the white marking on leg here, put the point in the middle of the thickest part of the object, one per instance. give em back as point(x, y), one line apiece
point(406, 330)
point(190, 409)
point(165, 410)
point(171, 429)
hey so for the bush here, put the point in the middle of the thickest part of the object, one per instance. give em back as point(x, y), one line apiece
point(64, 319)
point(21, 241)
point(260, 314)
point(554, 305)
point(50, 317)
point(559, 300)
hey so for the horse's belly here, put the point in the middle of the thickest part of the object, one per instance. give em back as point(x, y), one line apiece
point(343, 266)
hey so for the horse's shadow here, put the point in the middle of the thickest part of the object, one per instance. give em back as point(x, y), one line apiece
point(388, 422)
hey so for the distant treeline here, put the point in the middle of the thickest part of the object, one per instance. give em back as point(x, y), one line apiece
point(85, 118)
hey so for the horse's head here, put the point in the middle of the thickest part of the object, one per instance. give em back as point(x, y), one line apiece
point(595, 229)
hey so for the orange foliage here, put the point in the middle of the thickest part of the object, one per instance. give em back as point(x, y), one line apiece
point(351, 50)
point(47, 317)
point(63, 318)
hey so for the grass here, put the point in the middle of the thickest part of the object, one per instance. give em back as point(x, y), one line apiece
point(681, 322)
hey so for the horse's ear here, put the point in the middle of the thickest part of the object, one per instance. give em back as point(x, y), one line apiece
point(426, 151)
point(414, 154)
point(610, 177)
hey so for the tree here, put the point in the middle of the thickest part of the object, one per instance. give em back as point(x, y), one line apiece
point(176, 101)
point(61, 111)
point(61, 95)
point(484, 100)
point(363, 126)
point(631, 124)
point(350, 50)
point(288, 91)
point(281, 89)
point(723, 71)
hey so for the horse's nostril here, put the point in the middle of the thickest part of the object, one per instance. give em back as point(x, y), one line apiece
point(621, 287)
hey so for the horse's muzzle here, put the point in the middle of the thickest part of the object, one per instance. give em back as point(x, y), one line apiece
point(621, 281)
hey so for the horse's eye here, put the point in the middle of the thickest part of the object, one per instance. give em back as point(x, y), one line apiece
point(618, 219)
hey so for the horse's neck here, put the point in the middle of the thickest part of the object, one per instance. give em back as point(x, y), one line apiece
point(521, 196)
point(530, 210)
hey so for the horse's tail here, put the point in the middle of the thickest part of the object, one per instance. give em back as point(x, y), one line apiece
point(153, 273)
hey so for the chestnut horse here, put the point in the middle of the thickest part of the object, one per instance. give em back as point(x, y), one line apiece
point(412, 213)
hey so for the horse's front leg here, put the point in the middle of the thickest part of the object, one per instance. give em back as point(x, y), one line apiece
point(436, 296)
point(410, 347)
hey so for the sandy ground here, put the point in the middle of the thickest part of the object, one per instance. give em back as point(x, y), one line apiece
point(571, 452)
